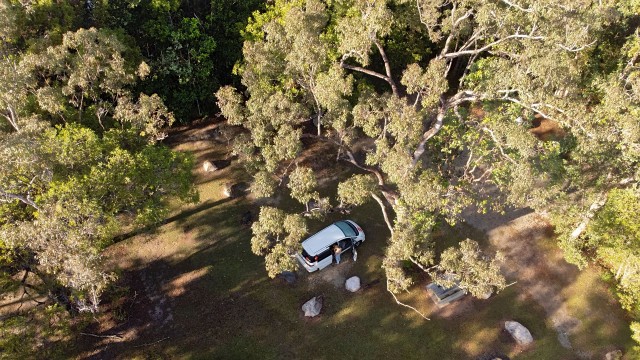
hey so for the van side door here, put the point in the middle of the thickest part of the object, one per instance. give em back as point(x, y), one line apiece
point(325, 258)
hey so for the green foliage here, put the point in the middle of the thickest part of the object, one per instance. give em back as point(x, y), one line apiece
point(62, 187)
point(442, 124)
point(230, 103)
point(36, 334)
point(635, 329)
point(302, 62)
point(470, 269)
point(302, 183)
point(277, 236)
point(428, 84)
point(191, 47)
point(263, 184)
point(614, 238)
point(356, 190)
point(411, 242)
point(121, 180)
point(617, 225)
point(148, 115)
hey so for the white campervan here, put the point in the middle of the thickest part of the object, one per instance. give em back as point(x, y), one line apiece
point(317, 251)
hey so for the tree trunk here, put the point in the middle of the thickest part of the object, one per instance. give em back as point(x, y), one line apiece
point(586, 218)
point(384, 212)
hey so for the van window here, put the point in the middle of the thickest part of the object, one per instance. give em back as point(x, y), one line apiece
point(347, 229)
point(325, 254)
point(312, 259)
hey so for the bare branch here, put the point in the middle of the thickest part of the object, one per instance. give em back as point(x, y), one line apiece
point(116, 336)
point(387, 68)
point(24, 199)
point(429, 134)
point(419, 265)
point(454, 26)
point(364, 70)
point(489, 46)
point(11, 118)
point(495, 140)
point(470, 41)
point(532, 108)
point(575, 48)
point(372, 73)
point(437, 125)
point(384, 212)
point(152, 343)
point(529, 10)
point(586, 218)
point(350, 157)
point(353, 160)
point(593, 209)
point(403, 304)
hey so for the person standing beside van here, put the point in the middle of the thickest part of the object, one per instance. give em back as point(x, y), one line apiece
point(337, 250)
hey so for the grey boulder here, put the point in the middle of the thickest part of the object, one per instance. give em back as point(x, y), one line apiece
point(312, 307)
point(520, 333)
point(613, 355)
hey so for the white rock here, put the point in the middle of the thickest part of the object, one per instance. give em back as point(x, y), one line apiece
point(312, 307)
point(613, 355)
point(520, 333)
point(352, 284)
point(208, 166)
point(486, 295)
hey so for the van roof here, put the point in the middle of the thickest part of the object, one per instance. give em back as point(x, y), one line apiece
point(322, 239)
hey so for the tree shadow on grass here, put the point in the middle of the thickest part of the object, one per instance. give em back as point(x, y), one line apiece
point(216, 302)
point(178, 217)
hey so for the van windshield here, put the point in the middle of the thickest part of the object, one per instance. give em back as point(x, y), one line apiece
point(347, 229)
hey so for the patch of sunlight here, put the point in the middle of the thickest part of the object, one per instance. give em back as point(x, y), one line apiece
point(212, 190)
point(352, 311)
point(475, 339)
point(372, 264)
point(602, 321)
point(416, 299)
point(388, 337)
point(248, 284)
point(390, 319)
point(178, 286)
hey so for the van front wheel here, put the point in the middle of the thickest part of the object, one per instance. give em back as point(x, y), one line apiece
point(357, 243)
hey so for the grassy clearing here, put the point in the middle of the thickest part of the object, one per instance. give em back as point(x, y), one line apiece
point(223, 305)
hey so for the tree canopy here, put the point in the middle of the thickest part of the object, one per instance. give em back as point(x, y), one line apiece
point(191, 46)
point(435, 105)
point(79, 150)
point(433, 102)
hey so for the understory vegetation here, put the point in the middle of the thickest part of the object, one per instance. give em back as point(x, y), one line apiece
point(423, 111)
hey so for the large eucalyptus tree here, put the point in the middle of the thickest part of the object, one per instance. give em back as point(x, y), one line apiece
point(78, 149)
point(442, 94)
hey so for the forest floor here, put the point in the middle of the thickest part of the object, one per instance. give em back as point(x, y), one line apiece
point(195, 290)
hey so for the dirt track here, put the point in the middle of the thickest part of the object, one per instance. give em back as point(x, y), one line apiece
point(539, 273)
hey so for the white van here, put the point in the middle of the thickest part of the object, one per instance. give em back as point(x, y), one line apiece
point(317, 251)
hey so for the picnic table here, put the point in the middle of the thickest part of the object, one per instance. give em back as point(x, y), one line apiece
point(444, 296)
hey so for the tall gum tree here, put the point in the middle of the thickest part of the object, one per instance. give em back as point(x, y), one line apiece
point(78, 149)
point(446, 121)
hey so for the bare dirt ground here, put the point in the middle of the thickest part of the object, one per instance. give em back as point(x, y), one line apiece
point(540, 272)
point(335, 275)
